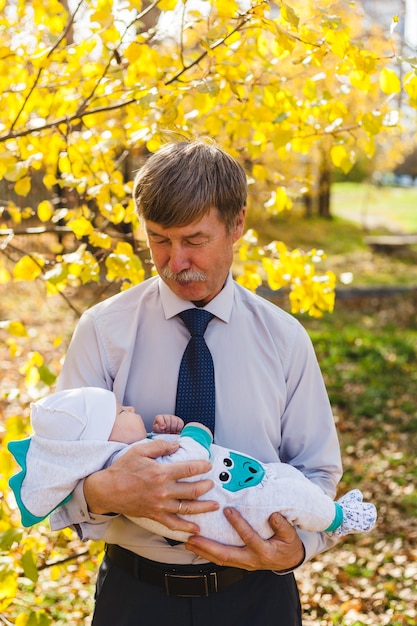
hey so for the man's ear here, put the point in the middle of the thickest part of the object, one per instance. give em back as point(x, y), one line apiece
point(240, 225)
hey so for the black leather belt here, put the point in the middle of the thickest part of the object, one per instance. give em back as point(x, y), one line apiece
point(187, 581)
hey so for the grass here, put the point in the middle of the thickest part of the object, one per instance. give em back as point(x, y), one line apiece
point(368, 355)
point(376, 207)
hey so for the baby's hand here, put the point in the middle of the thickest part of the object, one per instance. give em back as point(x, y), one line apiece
point(166, 423)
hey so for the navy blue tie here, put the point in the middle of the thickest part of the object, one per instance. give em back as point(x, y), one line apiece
point(196, 397)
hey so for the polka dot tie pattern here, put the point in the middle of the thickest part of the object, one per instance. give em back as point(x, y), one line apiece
point(196, 391)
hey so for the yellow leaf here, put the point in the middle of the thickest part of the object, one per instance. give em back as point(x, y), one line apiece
point(167, 5)
point(32, 377)
point(342, 158)
point(289, 15)
point(124, 248)
point(27, 268)
point(12, 170)
point(250, 277)
point(133, 52)
point(81, 227)
point(49, 180)
point(36, 359)
point(389, 81)
point(226, 8)
point(372, 123)
point(279, 201)
point(284, 41)
point(45, 210)
point(339, 42)
point(96, 547)
point(99, 240)
point(7, 163)
point(8, 589)
point(13, 349)
point(55, 572)
point(360, 79)
point(310, 89)
point(410, 87)
point(260, 172)
point(15, 328)
point(22, 186)
point(154, 144)
point(365, 61)
point(4, 274)
point(302, 144)
point(117, 213)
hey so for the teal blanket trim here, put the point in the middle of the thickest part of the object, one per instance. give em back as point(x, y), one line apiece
point(198, 434)
point(19, 450)
point(338, 519)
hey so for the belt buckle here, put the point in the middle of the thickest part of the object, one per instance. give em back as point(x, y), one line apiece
point(190, 585)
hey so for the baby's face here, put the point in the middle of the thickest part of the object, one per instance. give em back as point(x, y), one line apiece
point(128, 426)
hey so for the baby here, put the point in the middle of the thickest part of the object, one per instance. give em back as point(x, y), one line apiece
point(80, 431)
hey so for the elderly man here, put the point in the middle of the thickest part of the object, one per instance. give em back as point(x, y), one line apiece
point(262, 393)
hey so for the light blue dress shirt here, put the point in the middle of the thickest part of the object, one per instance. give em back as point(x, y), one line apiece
point(271, 402)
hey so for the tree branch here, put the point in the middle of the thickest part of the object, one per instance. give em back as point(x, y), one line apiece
point(48, 564)
point(51, 51)
point(80, 114)
point(218, 43)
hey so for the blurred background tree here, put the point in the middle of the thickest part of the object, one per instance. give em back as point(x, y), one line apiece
point(90, 88)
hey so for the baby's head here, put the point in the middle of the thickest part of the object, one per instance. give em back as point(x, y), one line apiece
point(86, 413)
point(128, 426)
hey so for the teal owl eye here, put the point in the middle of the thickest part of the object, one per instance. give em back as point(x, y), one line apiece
point(224, 477)
point(228, 462)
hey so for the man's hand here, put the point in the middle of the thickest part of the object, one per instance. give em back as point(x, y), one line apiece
point(138, 486)
point(284, 550)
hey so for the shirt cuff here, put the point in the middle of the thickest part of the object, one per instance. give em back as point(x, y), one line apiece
point(76, 511)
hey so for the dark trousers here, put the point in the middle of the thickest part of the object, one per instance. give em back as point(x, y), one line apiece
point(261, 599)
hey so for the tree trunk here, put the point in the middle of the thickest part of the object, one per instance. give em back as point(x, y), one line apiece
point(324, 188)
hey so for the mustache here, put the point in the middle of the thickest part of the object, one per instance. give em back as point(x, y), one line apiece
point(185, 276)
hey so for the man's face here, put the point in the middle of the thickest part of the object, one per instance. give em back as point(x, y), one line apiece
point(194, 260)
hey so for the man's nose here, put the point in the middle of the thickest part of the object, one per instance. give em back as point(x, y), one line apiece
point(178, 259)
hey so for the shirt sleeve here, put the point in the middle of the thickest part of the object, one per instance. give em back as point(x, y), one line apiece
point(86, 360)
point(75, 515)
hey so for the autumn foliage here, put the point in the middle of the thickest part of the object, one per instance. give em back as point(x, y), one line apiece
point(88, 93)
point(88, 89)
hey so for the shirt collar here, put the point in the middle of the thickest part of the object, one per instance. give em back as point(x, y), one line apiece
point(220, 306)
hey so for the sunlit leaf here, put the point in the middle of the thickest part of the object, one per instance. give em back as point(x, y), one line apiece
point(167, 5)
point(5, 276)
point(45, 210)
point(410, 86)
point(22, 186)
point(81, 227)
point(28, 268)
point(389, 81)
point(14, 327)
point(342, 158)
point(289, 15)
